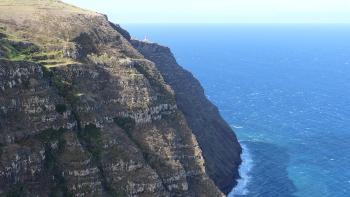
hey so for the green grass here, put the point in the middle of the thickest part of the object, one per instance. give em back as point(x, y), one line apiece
point(42, 55)
point(14, 48)
point(2, 29)
point(11, 53)
point(10, 46)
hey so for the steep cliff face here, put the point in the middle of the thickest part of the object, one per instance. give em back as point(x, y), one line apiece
point(83, 113)
point(220, 147)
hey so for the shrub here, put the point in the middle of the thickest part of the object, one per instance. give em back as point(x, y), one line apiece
point(125, 123)
point(61, 108)
point(90, 137)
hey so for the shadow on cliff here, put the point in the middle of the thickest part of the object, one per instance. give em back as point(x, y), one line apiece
point(269, 176)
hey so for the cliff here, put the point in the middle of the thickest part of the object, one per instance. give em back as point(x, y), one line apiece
point(219, 144)
point(84, 113)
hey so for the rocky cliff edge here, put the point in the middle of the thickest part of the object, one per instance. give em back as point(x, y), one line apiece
point(83, 112)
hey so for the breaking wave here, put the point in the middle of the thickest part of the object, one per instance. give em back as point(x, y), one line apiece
point(244, 172)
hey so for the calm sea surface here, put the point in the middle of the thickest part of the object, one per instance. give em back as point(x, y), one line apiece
point(285, 90)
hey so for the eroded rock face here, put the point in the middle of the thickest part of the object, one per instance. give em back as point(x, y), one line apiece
point(28, 102)
point(23, 163)
point(215, 137)
point(85, 114)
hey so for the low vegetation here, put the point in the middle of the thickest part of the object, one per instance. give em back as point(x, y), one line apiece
point(125, 123)
point(61, 108)
point(48, 138)
point(90, 137)
point(14, 49)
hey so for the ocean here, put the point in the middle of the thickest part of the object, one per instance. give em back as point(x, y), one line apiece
point(284, 89)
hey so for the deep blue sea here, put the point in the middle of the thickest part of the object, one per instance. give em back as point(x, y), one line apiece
point(285, 90)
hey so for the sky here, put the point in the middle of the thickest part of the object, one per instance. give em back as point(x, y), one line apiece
point(220, 11)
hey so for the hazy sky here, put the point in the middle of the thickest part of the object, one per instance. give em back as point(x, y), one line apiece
point(221, 11)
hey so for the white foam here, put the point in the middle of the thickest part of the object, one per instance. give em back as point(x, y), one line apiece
point(237, 127)
point(244, 172)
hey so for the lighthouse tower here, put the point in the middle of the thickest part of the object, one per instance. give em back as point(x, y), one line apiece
point(146, 39)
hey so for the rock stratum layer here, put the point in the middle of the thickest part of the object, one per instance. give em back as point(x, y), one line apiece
point(220, 148)
point(86, 111)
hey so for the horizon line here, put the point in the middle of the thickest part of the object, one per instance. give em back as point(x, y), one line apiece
point(235, 23)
